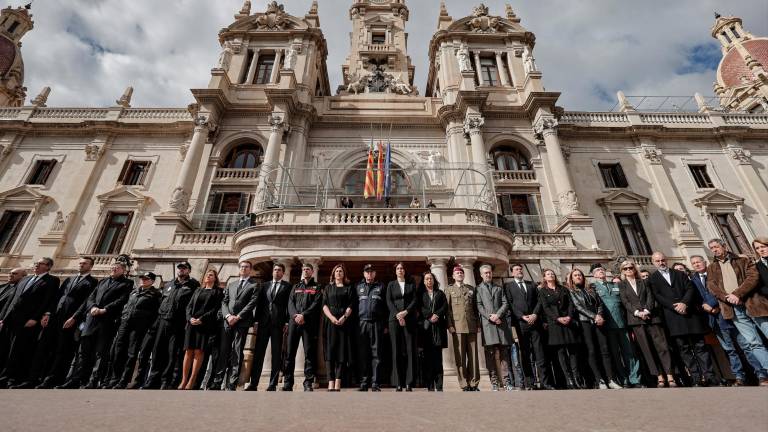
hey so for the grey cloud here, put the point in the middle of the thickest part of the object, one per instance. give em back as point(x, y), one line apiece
point(90, 50)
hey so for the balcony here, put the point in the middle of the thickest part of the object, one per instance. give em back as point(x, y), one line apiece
point(528, 224)
point(235, 175)
point(220, 223)
point(502, 178)
point(378, 48)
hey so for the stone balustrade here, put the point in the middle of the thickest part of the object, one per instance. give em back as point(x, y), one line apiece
point(235, 174)
point(520, 176)
point(374, 217)
point(378, 48)
point(71, 113)
point(203, 239)
point(543, 241)
point(672, 119)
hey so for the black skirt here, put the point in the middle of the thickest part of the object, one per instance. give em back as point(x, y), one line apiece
point(196, 337)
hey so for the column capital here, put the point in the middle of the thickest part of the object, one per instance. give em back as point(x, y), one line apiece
point(473, 123)
point(737, 153)
point(438, 261)
point(204, 122)
point(277, 121)
point(545, 126)
point(315, 261)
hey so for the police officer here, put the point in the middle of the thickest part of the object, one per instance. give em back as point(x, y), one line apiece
point(169, 335)
point(303, 325)
point(373, 315)
point(138, 316)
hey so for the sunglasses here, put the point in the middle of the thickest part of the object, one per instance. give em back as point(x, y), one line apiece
point(628, 268)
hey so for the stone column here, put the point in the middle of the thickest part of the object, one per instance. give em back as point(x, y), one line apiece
point(472, 126)
point(568, 202)
point(270, 164)
point(276, 67)
point(438, 268)
point(252, 68)
point(477, 68)
point(179, 202)
point(298, 146)
point(502, 69)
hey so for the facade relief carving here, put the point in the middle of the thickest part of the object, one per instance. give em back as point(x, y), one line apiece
point(481, 22)
point(743, 157)
point(274, 18)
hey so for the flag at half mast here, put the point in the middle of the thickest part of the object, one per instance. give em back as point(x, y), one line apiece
point(369, 189)
point(380, 174)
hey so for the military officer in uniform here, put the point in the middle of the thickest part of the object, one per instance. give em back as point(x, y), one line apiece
point(462, 325)
point(372, 315)
point(303, 325)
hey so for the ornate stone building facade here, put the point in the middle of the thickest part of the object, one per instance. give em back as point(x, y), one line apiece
point(255, 169)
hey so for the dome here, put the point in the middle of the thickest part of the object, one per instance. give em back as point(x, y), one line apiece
point(733, 67)
point(7, 55)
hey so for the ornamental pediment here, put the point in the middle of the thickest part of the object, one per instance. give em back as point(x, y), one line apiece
point(123, 196)
point(718, 198)
point(624, 200)
point(273, 19)
point(482, 22)
point(23, 195)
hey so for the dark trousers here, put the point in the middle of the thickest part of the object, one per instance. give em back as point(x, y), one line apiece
point(598, 352)
point(23, 341)
point(211, 362)
point(5, 346)
point(653, 345)
point(370, 337)
point(496, 357)
point(403, 340)
point(44, 350)
point(433, 366)
point(230, 357)
point(125, 351)
point(532, 343)
point(272, 335)
point(696, 357)
point(306, 333)
point(569, 361)
point(166, 355)
point(64, 351)
point(145, 355)
point(94, 351)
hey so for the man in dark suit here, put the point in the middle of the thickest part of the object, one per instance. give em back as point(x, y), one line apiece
point(760, 244)
point(167, 352)
point(26, 314)
point(102, 316)
point(523, 300)
point(272, 319)
point(74, 292)
point(304, 325)
point(681, 306)
point(237, 309)
point(7, 291)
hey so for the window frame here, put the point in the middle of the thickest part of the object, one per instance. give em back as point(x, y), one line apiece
point(612, 174)
point(32, 176)
point(118, 241)
point(638, 227)
point(731, 232)
point(14, 233)
point(486, 68)
point(264, 59)
point(126, 172)
point(705, 182)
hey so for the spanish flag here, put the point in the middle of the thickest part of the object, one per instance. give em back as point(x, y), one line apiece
point(380, 174)
point(369, 189)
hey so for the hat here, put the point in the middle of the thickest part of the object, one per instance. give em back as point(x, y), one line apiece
point(148, 275)
point(458, 269)
point(368, 267)
point(595, 266)
point(184, 264)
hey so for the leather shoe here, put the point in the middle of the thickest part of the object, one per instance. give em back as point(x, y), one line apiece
point(26, 385)
point(398, 389)
point(91, 385)
point(408, 388)
point(375, 388)
point(308, 388)
point(287, 389)
point(467, 388)
point(69, 385)
point(271, 388)
point(363, 388)
point(44, 386)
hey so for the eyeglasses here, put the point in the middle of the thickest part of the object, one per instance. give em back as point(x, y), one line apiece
point(628, 268)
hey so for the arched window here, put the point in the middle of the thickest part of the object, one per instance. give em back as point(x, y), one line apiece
point(510, 159)
point(246, 156)
point(354, 186)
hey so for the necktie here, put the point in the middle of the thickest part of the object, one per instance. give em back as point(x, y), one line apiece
point(29, 285)
point(704, 279)
point(272, 291)
point(76, 281)
point(525, 291)
point(240, 287)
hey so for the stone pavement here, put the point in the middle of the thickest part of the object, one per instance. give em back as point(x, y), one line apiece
point(651, 410)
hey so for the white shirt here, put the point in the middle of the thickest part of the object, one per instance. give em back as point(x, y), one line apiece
point(666, 275)
point(633, 284)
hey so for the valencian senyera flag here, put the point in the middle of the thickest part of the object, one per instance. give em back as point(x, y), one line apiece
point(388, 171)
point(380, 174)
point(369, 190)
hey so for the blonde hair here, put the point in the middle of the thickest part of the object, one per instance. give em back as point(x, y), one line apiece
point(763, 241)
point(635, 271)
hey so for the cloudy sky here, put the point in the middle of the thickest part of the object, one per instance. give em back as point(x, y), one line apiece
point(88, 51)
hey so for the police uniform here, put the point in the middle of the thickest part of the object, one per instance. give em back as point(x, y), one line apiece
point(372, 311)
point(305, 300)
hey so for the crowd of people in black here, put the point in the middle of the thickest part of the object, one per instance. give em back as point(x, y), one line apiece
point(636, 329)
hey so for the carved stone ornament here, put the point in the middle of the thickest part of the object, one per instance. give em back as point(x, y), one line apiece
point(378, 81)
point(203, 120)
point(743, 157)
point(225, 58)
point(569, 202)
point(58, 222)
point(486, 201)
point(277, 121)
point(652, 154)
point(290, 58)
point(125, 99)
point(545, 126)
point(529, 62)
point(41, 99)
point(465, 63)
point(482, 22)
point(93, 152)
point(473, 124)
point(179, 200)
point(274, 18)
point(183, 150)
point(246, 9)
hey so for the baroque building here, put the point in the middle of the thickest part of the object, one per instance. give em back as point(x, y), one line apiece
point(256, 167)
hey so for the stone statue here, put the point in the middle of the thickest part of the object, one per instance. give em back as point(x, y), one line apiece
point(59, 222)
point(41, 99)
point(462, 55)
point(226, 56)
point(179, 200)
point(125, 99)
point(397, 85)
point(569, 203)
point(290, 58)
point(529, 63)
point(246, 9)
point(357, 84)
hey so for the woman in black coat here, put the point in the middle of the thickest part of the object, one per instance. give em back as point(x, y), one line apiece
point(561, 325)
point(402, 304)
point(339, 302)
point(201, 323)
point(434, 336)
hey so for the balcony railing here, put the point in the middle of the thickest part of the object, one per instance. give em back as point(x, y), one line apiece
point(521, 224)
point(378, 48)
point(236, 174)
point(504, 177)
point(220, 223)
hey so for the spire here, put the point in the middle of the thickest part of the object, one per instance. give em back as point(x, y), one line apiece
point(125, 99)
point(244, 11)
point(511, 13)
point(444, 20)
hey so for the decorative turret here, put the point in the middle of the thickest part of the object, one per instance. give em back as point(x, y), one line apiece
point(14, 24)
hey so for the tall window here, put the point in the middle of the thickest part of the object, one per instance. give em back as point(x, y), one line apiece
point(701, 177)
point(229, 202)
point(613, 175)
point(731, 232)
point(245, 157)
point(509, 159)
point(246, 67)
point(633, 234)
point(13, 27)
point(134, 172)
point(264, 69)
point(11, 224)
point(379, 38)
point(113, 233)
point(519, 213)
point(40, 172)
point(489, 72)
point(727, 38)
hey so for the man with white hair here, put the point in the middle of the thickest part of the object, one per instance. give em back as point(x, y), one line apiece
point(492, 307)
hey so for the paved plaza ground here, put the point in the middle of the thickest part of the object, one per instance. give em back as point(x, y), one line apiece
point(656, 410)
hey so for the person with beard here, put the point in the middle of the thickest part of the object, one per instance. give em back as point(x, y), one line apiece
point(24, 317)
point(169, 336)
point(138, 316)
point(303, 325)
point(70, 308)
point(102, 310)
